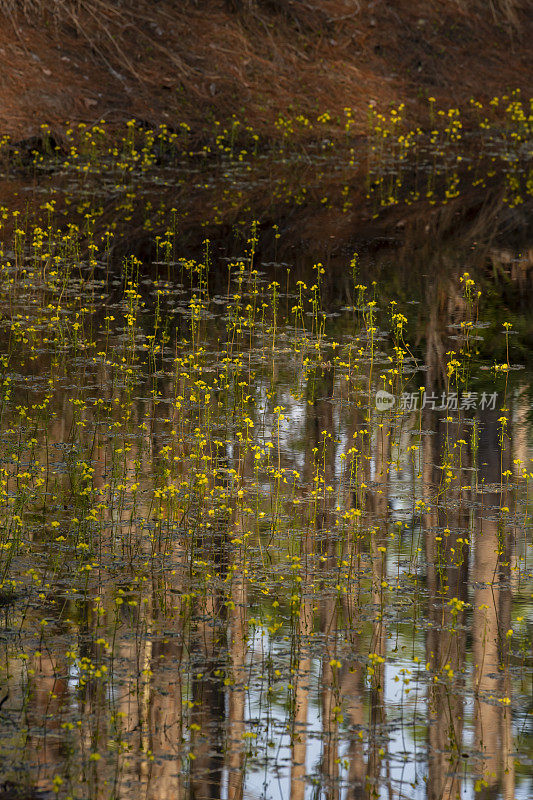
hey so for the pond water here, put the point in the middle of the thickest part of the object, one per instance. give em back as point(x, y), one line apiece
point(266, 526)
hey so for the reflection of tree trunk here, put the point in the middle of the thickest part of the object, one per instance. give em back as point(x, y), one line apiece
point(208, 712)
point(320, 457)
point(322, 454)
point(485, 647)
point(301, 703)
point(446, 654)
point(520, 432)
point(369, 492)
point(507, 744)
point(446, 525)
point(352, 689)
point(166, 708)
point(143, 698)
point(49, 694)
point(377, 504)
point(378, 717)
point(208, 715)
point(236, 716)
point(377, 495)
point(330, 700)
point(491, 621)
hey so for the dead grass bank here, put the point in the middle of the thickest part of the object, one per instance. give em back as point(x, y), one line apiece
point(196, 60)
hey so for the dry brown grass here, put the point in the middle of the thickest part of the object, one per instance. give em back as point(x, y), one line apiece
point(202, 59)
point(103, 23)
point(34, 8)
point(506, 11)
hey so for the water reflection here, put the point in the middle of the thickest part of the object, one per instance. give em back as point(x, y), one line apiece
point(235, 578)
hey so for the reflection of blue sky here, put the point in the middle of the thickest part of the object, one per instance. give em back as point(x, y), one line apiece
point(405, 762)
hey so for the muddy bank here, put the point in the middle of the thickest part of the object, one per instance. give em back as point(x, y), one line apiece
point(198, 61)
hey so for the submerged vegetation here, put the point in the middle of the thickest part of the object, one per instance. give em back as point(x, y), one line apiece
point(261, 537)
